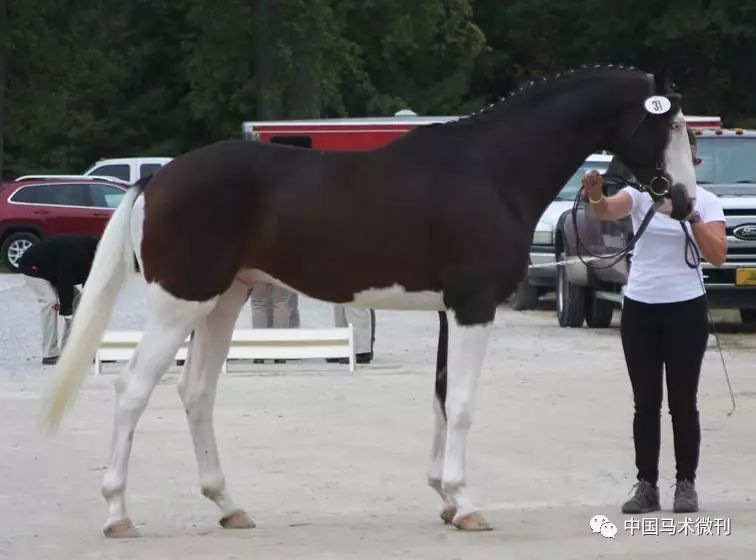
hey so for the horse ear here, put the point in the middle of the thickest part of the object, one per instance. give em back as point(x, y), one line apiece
point(676, 100)
point(663, 80)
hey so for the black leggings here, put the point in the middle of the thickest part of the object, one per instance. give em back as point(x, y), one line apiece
point(670, 337)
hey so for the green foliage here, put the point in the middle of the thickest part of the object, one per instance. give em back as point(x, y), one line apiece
point(89, 80)
point(160, 77)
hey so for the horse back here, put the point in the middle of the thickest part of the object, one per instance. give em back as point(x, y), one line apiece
point(326, 223)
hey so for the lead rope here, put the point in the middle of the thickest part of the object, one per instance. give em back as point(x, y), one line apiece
point(691, 252)
point(609, 179)
point(693, 260)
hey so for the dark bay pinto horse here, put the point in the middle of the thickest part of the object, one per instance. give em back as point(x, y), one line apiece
point(441, 219)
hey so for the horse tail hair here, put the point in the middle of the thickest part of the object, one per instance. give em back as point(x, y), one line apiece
point(113, 261)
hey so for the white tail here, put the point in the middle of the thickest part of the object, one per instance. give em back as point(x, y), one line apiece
point(112, 263)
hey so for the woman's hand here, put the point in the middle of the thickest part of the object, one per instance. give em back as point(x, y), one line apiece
point(605, 208)
point(593, 186)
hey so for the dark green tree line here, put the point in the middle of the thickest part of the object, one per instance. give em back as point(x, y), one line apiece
point(85, 80)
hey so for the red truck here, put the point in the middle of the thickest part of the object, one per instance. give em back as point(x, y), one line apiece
point(338, 134)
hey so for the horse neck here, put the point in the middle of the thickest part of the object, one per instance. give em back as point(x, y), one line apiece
point(537, 150)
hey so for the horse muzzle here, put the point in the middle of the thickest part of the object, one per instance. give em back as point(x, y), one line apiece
point(673, 201)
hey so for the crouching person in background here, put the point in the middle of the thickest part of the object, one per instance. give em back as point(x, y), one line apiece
point(53, 268)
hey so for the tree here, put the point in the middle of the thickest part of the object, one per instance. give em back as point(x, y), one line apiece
point(111, 78)
point(707, 44)
point(3, 71)
point(414, 54)
point(115, 90)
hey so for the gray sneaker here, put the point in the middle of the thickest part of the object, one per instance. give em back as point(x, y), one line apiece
point(646, 499)
point(686, 499)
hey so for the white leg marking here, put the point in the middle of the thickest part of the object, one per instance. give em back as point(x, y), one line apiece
point(467, 346)
point(169, 323)
point(436, 471)
point(197, 387)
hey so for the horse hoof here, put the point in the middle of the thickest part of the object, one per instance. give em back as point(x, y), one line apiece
point(448, 513)
point(122, 529)
point(472, 522)
point(237, 520)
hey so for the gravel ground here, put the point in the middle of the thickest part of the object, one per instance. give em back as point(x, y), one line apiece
point(332, 464)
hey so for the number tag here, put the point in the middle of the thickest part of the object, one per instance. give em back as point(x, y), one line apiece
point(657, 105)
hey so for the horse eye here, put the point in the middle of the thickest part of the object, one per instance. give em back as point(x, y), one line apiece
point(676, 126)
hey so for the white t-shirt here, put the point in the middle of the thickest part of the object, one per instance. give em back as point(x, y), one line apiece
point(659, 272)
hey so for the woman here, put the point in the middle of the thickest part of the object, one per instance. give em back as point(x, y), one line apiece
point(664, 328)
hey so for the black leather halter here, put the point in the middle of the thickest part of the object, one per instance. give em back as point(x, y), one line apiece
point(658, 187)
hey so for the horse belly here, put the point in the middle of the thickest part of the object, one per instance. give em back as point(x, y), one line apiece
point(394, 297)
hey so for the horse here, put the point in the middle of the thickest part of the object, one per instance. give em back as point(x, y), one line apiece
point(440, 220)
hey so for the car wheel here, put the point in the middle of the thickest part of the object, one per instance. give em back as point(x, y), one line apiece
point(15, 246)
point(748, 315)
point(526, 296)
point(570, 299)
point(598, 312)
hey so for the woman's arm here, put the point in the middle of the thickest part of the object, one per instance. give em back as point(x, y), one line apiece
point(711, 238)
point(605, 208)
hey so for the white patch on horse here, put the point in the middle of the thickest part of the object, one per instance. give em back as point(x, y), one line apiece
point(678, 158)
point(197, 385)
point(467, 348)
point(169, 322)
point(436, 470)
point(396, 297)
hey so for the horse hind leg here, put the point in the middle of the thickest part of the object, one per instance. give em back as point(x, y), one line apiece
point(197, 388)
point(436, 470)
point(169, 323)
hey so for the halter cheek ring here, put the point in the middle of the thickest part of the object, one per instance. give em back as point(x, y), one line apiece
point(659, 192)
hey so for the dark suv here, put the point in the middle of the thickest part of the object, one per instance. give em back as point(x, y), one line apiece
point(33, 209)
point(591, 293)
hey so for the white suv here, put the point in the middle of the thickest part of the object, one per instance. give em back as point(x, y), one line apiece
point(539, 281)
point(127, 169)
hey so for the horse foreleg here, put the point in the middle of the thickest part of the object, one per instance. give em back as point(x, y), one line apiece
point(168, 325)
point(197, 388)
point(436, 470)
point(467, 346)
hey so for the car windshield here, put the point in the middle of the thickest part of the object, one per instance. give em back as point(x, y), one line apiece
point(569, 191)
point(726, 160)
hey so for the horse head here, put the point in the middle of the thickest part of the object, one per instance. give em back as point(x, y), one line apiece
point(653, 143)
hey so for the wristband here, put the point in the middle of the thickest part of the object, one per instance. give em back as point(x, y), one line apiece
point(694, 217)
point(595, 201)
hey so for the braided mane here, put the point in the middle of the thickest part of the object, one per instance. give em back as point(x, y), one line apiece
point(527, 89)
